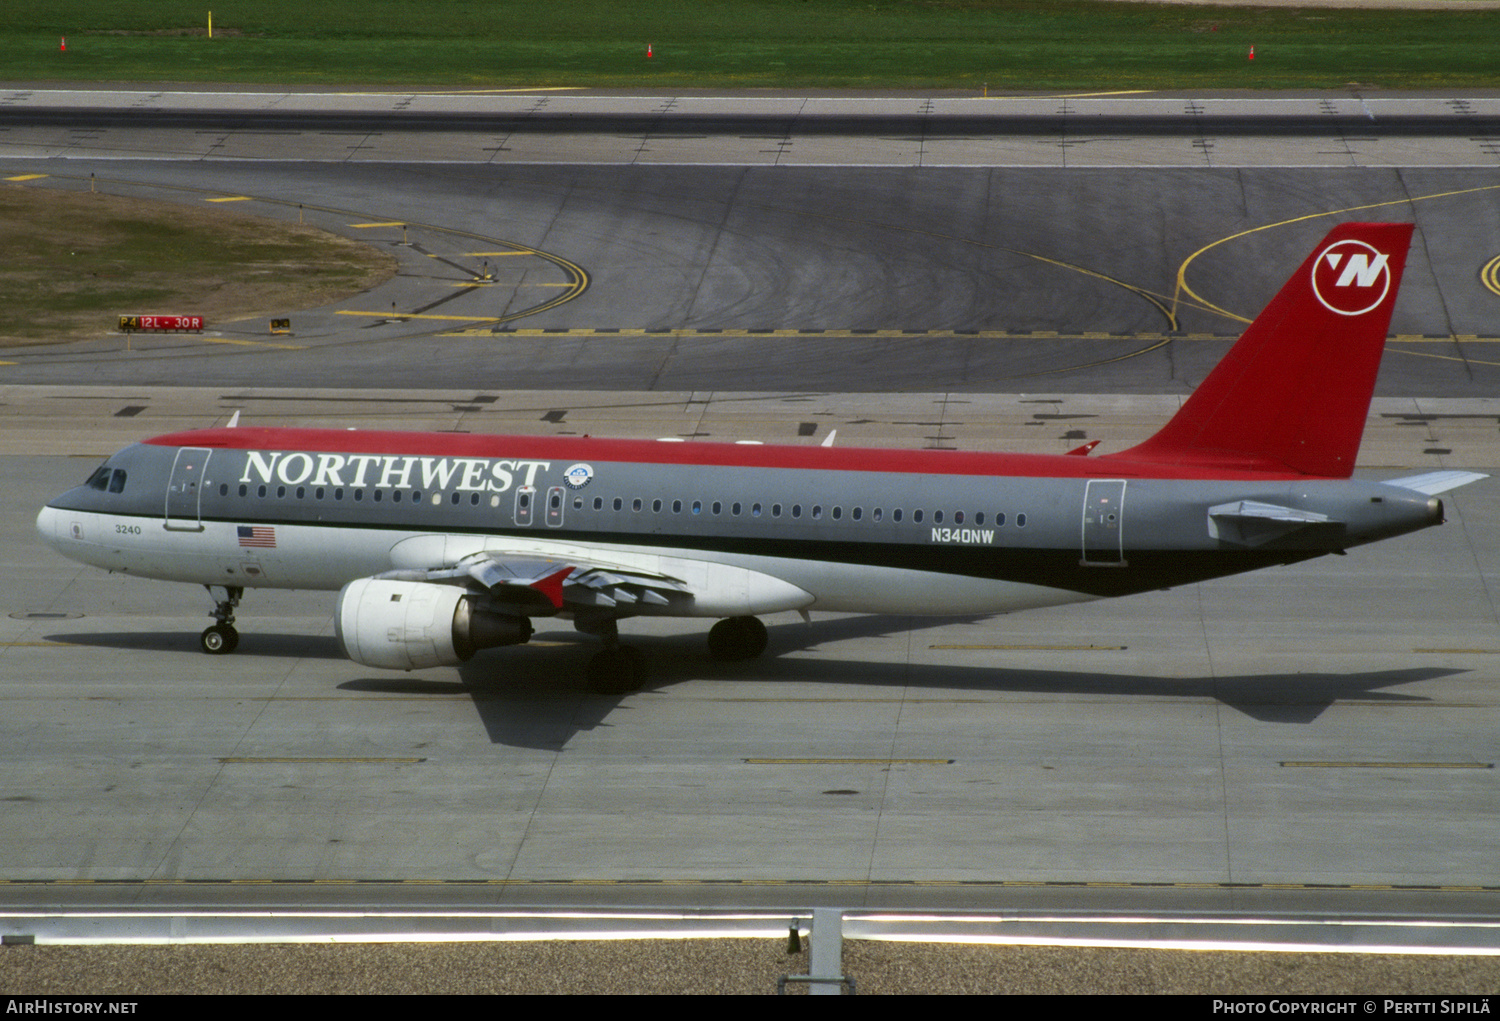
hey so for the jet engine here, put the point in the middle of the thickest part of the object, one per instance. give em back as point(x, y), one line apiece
point(407, 625)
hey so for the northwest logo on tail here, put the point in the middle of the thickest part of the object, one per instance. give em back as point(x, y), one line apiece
point(1351, 278)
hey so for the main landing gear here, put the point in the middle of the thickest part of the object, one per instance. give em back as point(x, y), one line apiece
point(221, 639)
point(615, 669)
point(619, 669)
point(736, 638)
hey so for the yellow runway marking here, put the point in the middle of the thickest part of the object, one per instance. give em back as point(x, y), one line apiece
point(1463, 652)
point(470, 92)
point(844, 762)
point(412, 315)
point(231, 198)
point(1183, 288)
point(251, 343)
point(488, 255)
point(390, 223)
point(1391, 765)
point(1490, 275)
point(27, 177)
point(1039, 648)
point(250, 759)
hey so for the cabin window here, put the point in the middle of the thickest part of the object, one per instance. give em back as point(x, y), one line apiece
point(359, 494)
point(301, 492)
point(916, 516)
point(416, 496)
point(1000, 520)
point(775, 510)
point(223, 489)
point(979, 518)
point(619, 504)
point(718, 508)
point(395, 495)
point(635, 505)
point(473, 499)
point(697, 506)
point(858, 513)
point(817, 512)
point(318, 493)
point(755, 510)
point(578, 503)
point(454, 499)
point(796, 510)
point(598, 503)
point(735, 510)
point(244, 490)
point(958, 517)
point(281, 492)
point(1020, 520)
point(937, 517)
point(896, 514)
point(877, 513)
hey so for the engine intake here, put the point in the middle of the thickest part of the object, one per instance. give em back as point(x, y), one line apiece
point(408, 625)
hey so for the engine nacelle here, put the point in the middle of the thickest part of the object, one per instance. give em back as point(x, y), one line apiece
point(407, 625)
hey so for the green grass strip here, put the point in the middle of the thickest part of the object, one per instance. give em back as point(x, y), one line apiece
point(804, 44)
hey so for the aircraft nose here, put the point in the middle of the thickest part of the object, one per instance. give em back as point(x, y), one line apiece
point(47, 523)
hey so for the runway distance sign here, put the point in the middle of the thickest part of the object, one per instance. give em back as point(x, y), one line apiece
point(163, 323)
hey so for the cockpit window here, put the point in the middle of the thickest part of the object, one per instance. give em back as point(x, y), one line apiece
point(107, 479)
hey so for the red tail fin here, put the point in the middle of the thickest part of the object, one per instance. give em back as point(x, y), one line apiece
point(1294, 391)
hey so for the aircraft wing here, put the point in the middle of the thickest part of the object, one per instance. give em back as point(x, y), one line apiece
point(1433, 483)
point(547, 585)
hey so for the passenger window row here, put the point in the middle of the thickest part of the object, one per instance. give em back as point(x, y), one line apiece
point(715, 508)
point(796, 510)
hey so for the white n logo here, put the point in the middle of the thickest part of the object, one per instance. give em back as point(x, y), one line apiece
point(1359, 270)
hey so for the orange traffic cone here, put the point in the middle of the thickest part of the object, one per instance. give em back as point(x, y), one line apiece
point(64, 47)
point(648, 51)
point(1252, 53)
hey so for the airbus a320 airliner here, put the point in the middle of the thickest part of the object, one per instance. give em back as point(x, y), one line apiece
point(441, 545)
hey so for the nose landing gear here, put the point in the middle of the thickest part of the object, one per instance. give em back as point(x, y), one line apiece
point(221, 639)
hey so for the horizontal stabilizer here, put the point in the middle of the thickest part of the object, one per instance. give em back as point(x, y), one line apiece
point(1433, 483)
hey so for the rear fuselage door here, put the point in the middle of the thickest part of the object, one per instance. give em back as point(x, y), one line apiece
point(1103, 523)
point(185, 489)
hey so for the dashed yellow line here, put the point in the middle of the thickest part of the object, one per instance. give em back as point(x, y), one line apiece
point(849, 762)
point(251, 343)
point(766, 881)
point(387, 223)
point(27, 177)
point(230, 198)
point(1390, 765)
point(258, 759)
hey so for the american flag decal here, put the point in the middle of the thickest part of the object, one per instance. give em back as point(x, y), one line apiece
point(263, 536)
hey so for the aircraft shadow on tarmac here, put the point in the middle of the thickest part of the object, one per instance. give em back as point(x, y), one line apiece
point(537, 696)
